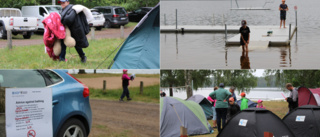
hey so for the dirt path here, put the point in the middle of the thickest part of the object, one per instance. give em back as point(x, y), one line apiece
point(105, 33)
point(116, 82)
point(112, 118)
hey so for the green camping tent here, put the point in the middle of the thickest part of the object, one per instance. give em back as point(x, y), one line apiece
point(175, 112)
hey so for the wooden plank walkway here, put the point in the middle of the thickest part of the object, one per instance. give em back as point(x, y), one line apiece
point(279, 37)
point(258, 35)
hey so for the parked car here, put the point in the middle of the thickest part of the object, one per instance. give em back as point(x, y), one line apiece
point(98, 21)
point(137, 15)
point(11, 19)
point(114, 15)
point(70, 98)
point(39, 11)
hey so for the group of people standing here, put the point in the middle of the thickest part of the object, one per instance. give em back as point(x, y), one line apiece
point(224, 105)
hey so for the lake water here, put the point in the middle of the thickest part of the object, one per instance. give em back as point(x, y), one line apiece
point(254, 94)
point(208, 50)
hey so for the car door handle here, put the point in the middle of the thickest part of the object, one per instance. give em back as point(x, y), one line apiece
point(54, 102)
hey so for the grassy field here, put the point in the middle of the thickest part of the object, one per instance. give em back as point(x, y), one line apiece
point(113, 75)
point(280, 108)
point(150, 94)
point(33, 57)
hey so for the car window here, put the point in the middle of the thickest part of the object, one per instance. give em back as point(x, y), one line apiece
point(53, 9)
point(120, 11)
point(21, 78)
point(138, 11)
point(42, 11)
point(107, 10)
point(95, 12)
point(52, 76)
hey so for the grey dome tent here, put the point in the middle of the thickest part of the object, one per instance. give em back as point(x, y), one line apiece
point(141, 50)
point(250, 103)
point(175, 112)
point(304, 121)
point(204, 103)
point(255, 122)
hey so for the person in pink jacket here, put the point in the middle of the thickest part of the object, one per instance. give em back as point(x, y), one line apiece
point(125, 84)
point(260, 105)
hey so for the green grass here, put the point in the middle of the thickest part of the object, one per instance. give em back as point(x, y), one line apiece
point(150, 94)
point(33, 57)
point(280, 108)
point(98, 75)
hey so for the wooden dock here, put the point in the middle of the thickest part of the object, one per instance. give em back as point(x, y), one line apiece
point(259, 36)
point(198, 29)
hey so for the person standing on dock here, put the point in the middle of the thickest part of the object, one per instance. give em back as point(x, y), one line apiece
point(245, 35)
point(283, 13)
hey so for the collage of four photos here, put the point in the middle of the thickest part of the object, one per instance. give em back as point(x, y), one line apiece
point(168, 68)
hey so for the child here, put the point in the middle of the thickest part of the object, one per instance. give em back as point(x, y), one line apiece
point(244, 101)
point(283, 12)
point(260, 105)
point(125, 84)
point(245, 35)
point(233, 108)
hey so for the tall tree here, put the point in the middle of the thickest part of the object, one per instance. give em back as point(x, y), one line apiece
point(242, 80)
point(308, 78)
point(193, 79)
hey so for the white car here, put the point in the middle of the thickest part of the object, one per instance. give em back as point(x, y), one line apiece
point(39, 11)
point(98, 21)
point(11, 19)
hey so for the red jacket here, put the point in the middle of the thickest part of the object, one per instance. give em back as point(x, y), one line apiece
point(53, 28)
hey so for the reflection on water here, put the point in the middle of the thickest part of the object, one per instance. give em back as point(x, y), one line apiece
point(208, 50)
point(244, 60)
point(182, 51)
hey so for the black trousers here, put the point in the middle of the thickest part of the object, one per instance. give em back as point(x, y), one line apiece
point(221, 114)
point(62, 55)
point(125, 92)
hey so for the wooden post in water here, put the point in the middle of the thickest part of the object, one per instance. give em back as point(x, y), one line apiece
point(226, 31)
point(176, 19)
point(9, 39)
point(183, 132)
point(122, 31)
point(104, 85)
point(165, 20)
point(289, 31)
point(296, 10)
point(141, 87)
point(92, 33)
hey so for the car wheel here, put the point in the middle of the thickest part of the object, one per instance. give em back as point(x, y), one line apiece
point(98, 28)
point(107, 24)
point(28, 35)
point(72, 128)
point(2, 33)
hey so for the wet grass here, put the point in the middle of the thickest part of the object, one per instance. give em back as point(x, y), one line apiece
point(34, 57)
point(280, 108)
point(150, 94)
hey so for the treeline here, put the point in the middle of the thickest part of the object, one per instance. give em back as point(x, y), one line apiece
point(242, 80)
point(129, 5)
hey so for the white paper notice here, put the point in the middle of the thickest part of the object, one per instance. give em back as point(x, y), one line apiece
point(243, 122)
point(300, 118)
point(29, 112)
